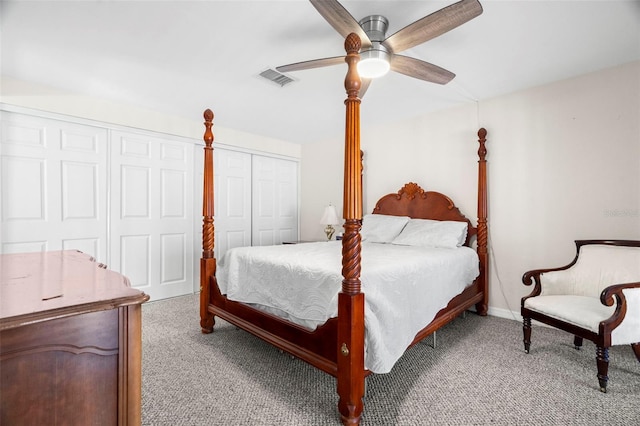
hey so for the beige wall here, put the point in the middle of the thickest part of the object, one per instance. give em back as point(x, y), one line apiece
point(564, 164)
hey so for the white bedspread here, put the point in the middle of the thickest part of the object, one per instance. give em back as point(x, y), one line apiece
point(404, 287)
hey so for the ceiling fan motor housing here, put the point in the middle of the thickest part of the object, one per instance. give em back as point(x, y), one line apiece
point(375, 26)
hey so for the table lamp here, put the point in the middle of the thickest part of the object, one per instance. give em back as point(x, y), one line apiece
point(329, 218)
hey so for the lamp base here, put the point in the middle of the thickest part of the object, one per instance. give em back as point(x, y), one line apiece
point(329, 230)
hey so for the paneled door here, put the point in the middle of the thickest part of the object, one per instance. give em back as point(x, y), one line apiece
point(256, 200)
point(232, 202)
point(274, 200)
point(53, 186)
point(151, 211)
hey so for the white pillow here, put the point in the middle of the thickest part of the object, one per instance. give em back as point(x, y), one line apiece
point(433, 233)
point(381, 228)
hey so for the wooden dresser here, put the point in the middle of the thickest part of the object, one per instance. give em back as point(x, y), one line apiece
point(70, 342)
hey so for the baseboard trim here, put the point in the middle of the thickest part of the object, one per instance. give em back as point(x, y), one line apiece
point(507, 314)
point(504, 313)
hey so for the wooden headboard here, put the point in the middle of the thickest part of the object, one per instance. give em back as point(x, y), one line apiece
point(413, 201)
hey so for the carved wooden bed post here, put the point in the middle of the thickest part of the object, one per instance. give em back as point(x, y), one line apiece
point(351, 300)
point(208, 261)
point(482, 239)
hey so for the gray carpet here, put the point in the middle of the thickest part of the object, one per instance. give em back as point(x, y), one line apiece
point(478, 374)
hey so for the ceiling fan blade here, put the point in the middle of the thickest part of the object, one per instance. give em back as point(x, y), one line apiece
point(420, 69)
point(431, 26)
point(315, 63)
point(340, 19)
point(364, 85)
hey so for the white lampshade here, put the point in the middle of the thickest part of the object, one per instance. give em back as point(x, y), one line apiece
point(329, 217)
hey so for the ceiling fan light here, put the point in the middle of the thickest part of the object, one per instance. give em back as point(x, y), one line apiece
point(373, 63)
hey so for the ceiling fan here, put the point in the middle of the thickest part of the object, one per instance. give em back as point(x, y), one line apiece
point(379, 53)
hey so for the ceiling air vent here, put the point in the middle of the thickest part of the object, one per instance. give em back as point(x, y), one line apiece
point(276, 77)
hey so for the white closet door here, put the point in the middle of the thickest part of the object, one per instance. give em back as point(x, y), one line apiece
point(232, 181)
point(53, 186)
point(275, 200)
point(152, 220)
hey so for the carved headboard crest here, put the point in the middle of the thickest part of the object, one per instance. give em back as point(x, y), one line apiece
point(411, 189)
point(415, 202)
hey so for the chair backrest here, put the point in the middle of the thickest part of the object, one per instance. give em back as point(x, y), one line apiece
point(598, 266)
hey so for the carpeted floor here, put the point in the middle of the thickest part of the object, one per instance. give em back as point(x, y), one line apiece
point(478, 374)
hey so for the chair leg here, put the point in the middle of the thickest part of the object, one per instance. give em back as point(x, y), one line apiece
point(636, 350)
point(577, 342)
point(602, 360)
point(526, 329)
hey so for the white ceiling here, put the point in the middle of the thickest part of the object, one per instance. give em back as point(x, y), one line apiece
point(181, 56)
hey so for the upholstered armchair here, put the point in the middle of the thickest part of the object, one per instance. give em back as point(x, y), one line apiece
point(595, 297)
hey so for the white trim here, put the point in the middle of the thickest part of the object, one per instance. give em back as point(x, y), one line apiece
point(507, 314)
point(90, 122)
point(504, 313)
point(111, 126)
point(501, 313)
point(253, 151)
point(109, 177)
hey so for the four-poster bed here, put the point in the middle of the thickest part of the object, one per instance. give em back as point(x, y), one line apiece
point(338, 346)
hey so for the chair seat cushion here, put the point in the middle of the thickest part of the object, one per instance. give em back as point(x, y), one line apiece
point(583, 311)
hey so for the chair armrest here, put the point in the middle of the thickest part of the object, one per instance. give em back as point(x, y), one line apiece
point(533, 277)
point(613, 294)
point(608, 294)
point(529, 278)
